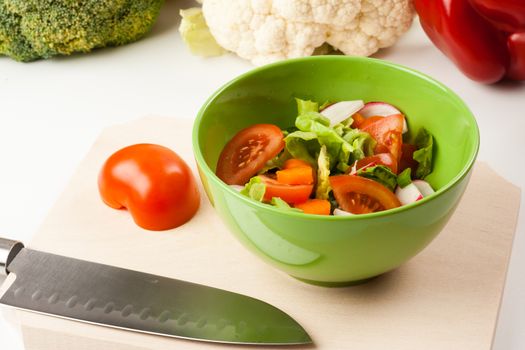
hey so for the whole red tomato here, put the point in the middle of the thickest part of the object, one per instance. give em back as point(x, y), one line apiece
point(153, 183)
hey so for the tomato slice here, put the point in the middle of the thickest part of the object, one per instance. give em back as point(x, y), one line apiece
point(291, 194)
point(386, 159)
point(247, 153)
point(367, 121)
point(387, 131)
point(407, 160)
point(359, 195)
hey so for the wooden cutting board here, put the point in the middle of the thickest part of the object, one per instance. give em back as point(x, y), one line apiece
point(447, 297)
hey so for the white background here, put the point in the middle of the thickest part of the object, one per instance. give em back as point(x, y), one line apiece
point(52, 111)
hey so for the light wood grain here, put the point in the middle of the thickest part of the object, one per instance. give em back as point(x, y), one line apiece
point(447, 297)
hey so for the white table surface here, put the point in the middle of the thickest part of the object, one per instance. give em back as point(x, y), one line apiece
point(52, 111)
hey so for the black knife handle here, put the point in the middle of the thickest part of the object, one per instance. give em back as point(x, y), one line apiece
point(8, 251)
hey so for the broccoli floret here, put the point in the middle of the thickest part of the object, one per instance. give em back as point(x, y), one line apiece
point(33, 29)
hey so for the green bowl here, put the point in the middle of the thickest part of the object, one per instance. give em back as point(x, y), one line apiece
point(335, 250)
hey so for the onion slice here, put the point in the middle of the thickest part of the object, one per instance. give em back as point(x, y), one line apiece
point(343, 110)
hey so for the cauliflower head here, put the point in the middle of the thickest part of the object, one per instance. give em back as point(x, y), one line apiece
point(33, 29)
point(265, 31)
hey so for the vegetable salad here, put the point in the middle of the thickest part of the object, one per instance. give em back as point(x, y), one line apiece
point(342, 158)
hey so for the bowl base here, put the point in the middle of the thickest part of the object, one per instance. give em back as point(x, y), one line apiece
point(336, 284)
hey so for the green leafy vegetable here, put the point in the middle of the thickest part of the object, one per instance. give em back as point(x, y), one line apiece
point(305, 106)
point(289, 130)
point(254, 189)
point(323, 173)
point(302, 145)
point(404, 179)
point(340, 151)
point(362, 143)
point(424, 143)
point(310, 121)
point(276, 163)
point(279, 203)
point(381, 174)
point(344, 145)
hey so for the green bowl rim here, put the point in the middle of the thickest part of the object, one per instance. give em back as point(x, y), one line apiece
point(201, 163)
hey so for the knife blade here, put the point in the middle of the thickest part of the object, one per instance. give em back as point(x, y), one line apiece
point(115, 297)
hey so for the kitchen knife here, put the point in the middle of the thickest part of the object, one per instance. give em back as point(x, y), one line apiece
point(110, 296)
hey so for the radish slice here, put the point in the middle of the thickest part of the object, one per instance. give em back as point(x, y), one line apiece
point(423, 187)
point(408, 194)
point(381, 109)
point(353, 169)
point(340, 111)
point(339, 212)
point(237, 188)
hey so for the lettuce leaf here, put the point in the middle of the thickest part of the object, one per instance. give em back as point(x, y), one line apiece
point(323, 173)
point(425, 144)
point(305, 106)
point(339, 150)
point(275, 163)
point(404, 179)
point(362, 143)
point(280, 204)
point(303, 145)
point(344, 145)
point(310, 121)
point(381, 174)
point(254, 189)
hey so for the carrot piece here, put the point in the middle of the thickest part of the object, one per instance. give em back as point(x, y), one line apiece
point(296, 176)
point(315, 206)
point(296, 163)
point(358, 120)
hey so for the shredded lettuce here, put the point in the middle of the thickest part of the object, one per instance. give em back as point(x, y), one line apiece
point(312, 121)
point(276, 163)
point(362, 143)
point(404, 179)
point(255, 189)
point(381, 174)
point(344, 145)
point(423, 155)
point(303, 145)
point(279, 203)
point(305, 106)
point(340, 151)
point(323, 173)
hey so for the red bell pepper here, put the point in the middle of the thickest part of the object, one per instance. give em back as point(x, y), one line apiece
point(484, 38)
